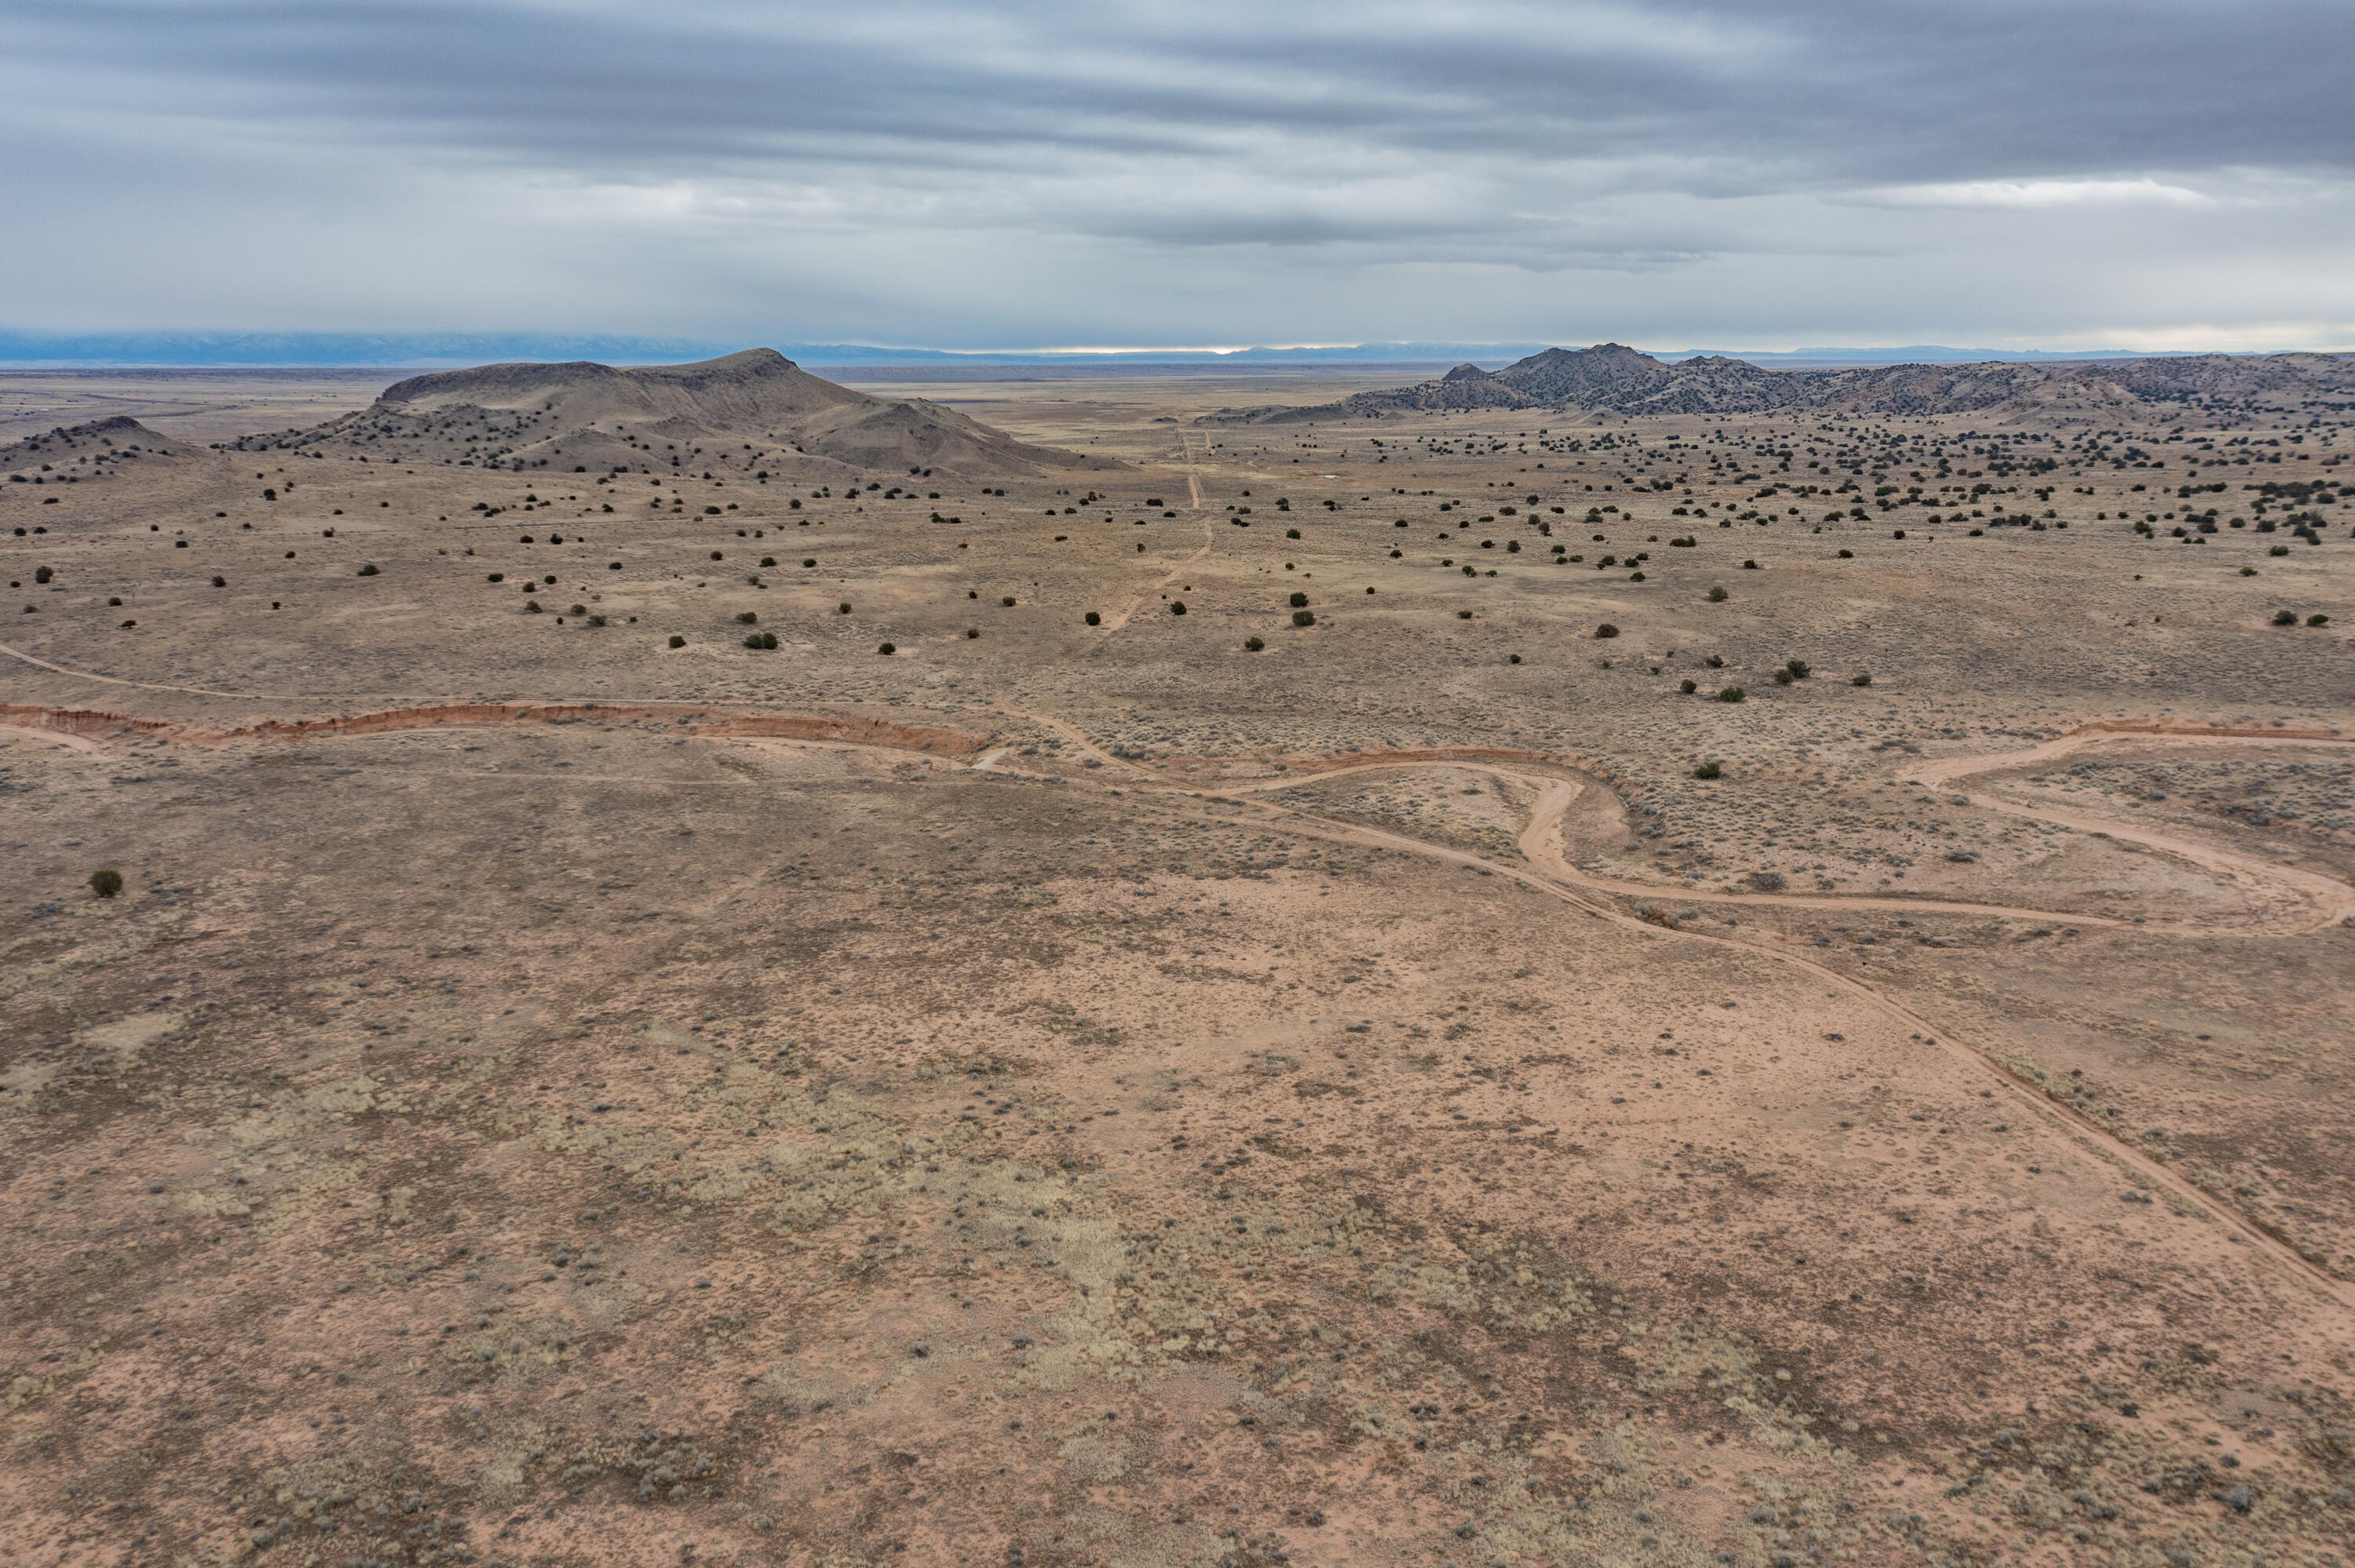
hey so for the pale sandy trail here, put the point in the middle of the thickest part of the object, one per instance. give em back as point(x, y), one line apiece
point(146, 685)
point(1549, 873)
point(2333, 900)
point(1541, 842)
point(2091, 1137)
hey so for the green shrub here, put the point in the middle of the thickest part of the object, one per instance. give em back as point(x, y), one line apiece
point(498, 577)
point(718, 556)
point(1717, 596)
point(887, 648)
point(2279, 550)
point(106, 881)
point(1176, 607)
point(1847, 555)
point(42, 574)
point(676, 641)
point(2317, 620)
point(1749, 566)
point(1298, 599)
point(1800, 669)
point(1303, 618)
point(368, 570)
point(596, 620)
point(765, 560)
point(1731, 694)
point(1715, 660)
point(1462, 615)
point(1007, 601)
point(1292, 532)
point(2285, 618)
point(749, 617)
point(1607, 629)
point(1254, 643)
point(842, 608)
point(1860, 680)
point(1092, 619)
point(1709, 770)
point(1688, 687)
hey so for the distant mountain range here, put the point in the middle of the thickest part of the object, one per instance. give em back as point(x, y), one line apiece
point(431, 349)
point(1614, 378)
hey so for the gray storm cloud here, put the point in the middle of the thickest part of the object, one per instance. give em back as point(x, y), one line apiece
point(2158, 175)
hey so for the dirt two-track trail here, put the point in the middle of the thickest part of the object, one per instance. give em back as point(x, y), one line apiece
point(2318, 901)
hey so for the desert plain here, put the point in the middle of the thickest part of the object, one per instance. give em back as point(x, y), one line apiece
point(1109, 970)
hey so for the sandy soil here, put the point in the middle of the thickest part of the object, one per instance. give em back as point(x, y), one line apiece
point(1094, 1092)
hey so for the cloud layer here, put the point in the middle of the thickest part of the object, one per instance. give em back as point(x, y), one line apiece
point(1024, 175)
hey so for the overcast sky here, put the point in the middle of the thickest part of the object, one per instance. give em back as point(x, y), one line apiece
point(2156, 174)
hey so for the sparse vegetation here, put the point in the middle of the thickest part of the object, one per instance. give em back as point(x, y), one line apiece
point(106, 881)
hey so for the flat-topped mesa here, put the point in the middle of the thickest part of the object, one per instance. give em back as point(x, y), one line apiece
point(583, 415)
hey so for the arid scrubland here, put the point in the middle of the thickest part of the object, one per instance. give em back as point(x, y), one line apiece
point(1153, 988)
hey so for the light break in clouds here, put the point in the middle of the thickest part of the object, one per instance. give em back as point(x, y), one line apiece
point(1723, 173)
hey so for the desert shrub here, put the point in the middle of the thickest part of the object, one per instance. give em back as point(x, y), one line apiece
point(1688, 687)
point(1092, 619)
point(1514, 659)
point(1709, 769)
point(1292, 532)
point(887, 648)
point(1899, 534)
point(219, 582)
point(1176, 607)
point(1298, 599)
point(1749, 566)
point(712, 512)
point(1715, 660)
point(1254, 643)
point(765, 560)
point(808, 562)
point(2317, 620)
point(1783, 677)
point(498, 577)
point(1860, 680)
point(1607, 629)
point(1462, 615)
point(676, 641)
point(2285, 618)
point(1717, 595)
point(1007, 601)
point(368, 570)
point(842, 608)
point(1847, 555)
point(106, 881)
point(1800, 669)
point(1303, 618)
point(578, 610)
point(1731, 694)
point(1769, 881)
point(596, 620)
point(972, 631)
point(42, 574)
point(718, 556)
point(531, 606)
point(749, 617)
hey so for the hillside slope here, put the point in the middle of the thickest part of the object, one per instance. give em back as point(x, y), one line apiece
point(583, 415)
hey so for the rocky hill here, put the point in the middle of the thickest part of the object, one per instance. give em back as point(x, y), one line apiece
point(583, 415)
point(1615, 378)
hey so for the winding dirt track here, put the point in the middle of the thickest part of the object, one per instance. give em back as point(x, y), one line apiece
point(1544, 868)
